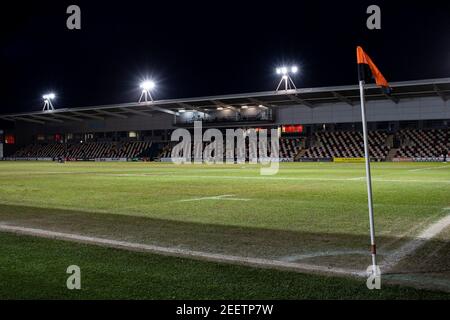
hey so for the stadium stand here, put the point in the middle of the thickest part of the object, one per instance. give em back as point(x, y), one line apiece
point(88, 150)
point(165, 151)
point(412, 143)
point(289, 148)
point(314, 127)
point(423, 143)
point(347, 144)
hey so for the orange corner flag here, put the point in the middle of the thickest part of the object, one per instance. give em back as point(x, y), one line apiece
point(365, 62)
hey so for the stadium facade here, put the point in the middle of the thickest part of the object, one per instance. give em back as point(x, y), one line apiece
point(315, 124)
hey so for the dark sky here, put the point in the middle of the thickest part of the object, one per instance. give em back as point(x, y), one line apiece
point(196, 48)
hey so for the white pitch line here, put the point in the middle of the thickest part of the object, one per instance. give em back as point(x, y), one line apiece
point(429, 168)
point(293, 258)
point(267, 263)
point(227, 197)
point(411, 246)
point(296, 178)
point(435, 228)
point(109, 173)
point(357, 178)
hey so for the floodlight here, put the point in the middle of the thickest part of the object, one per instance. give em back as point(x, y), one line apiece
point(48, 106)
point(147, 85)
point(285, 72)
point(244, 107)
point(49, 96)
point(219, 108)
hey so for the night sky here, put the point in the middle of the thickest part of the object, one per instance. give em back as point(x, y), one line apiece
point(196, 48)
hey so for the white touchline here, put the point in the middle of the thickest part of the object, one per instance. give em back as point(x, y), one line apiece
point(411, 246)
point(179, 252)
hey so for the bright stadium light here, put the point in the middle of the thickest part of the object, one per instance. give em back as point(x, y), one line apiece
point(146, 87)
point(48, 106)
point(286, 78)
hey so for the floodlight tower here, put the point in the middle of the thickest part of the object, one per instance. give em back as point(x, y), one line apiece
point(48, 106)
point(146, 87)
point(285, 73)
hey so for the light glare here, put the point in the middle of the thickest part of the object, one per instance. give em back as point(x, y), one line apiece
point(49, 96)
point(147, 85)
point(286, 70)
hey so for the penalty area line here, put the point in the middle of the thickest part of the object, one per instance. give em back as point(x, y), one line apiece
point(177, 252)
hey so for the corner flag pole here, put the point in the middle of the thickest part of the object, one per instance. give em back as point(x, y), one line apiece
point(366, 64)
point(373, 248)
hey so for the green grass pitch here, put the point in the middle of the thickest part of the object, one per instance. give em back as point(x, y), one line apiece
point(313, 214)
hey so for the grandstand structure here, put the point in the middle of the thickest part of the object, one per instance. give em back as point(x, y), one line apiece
point(348, 144)
point(315, 124)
